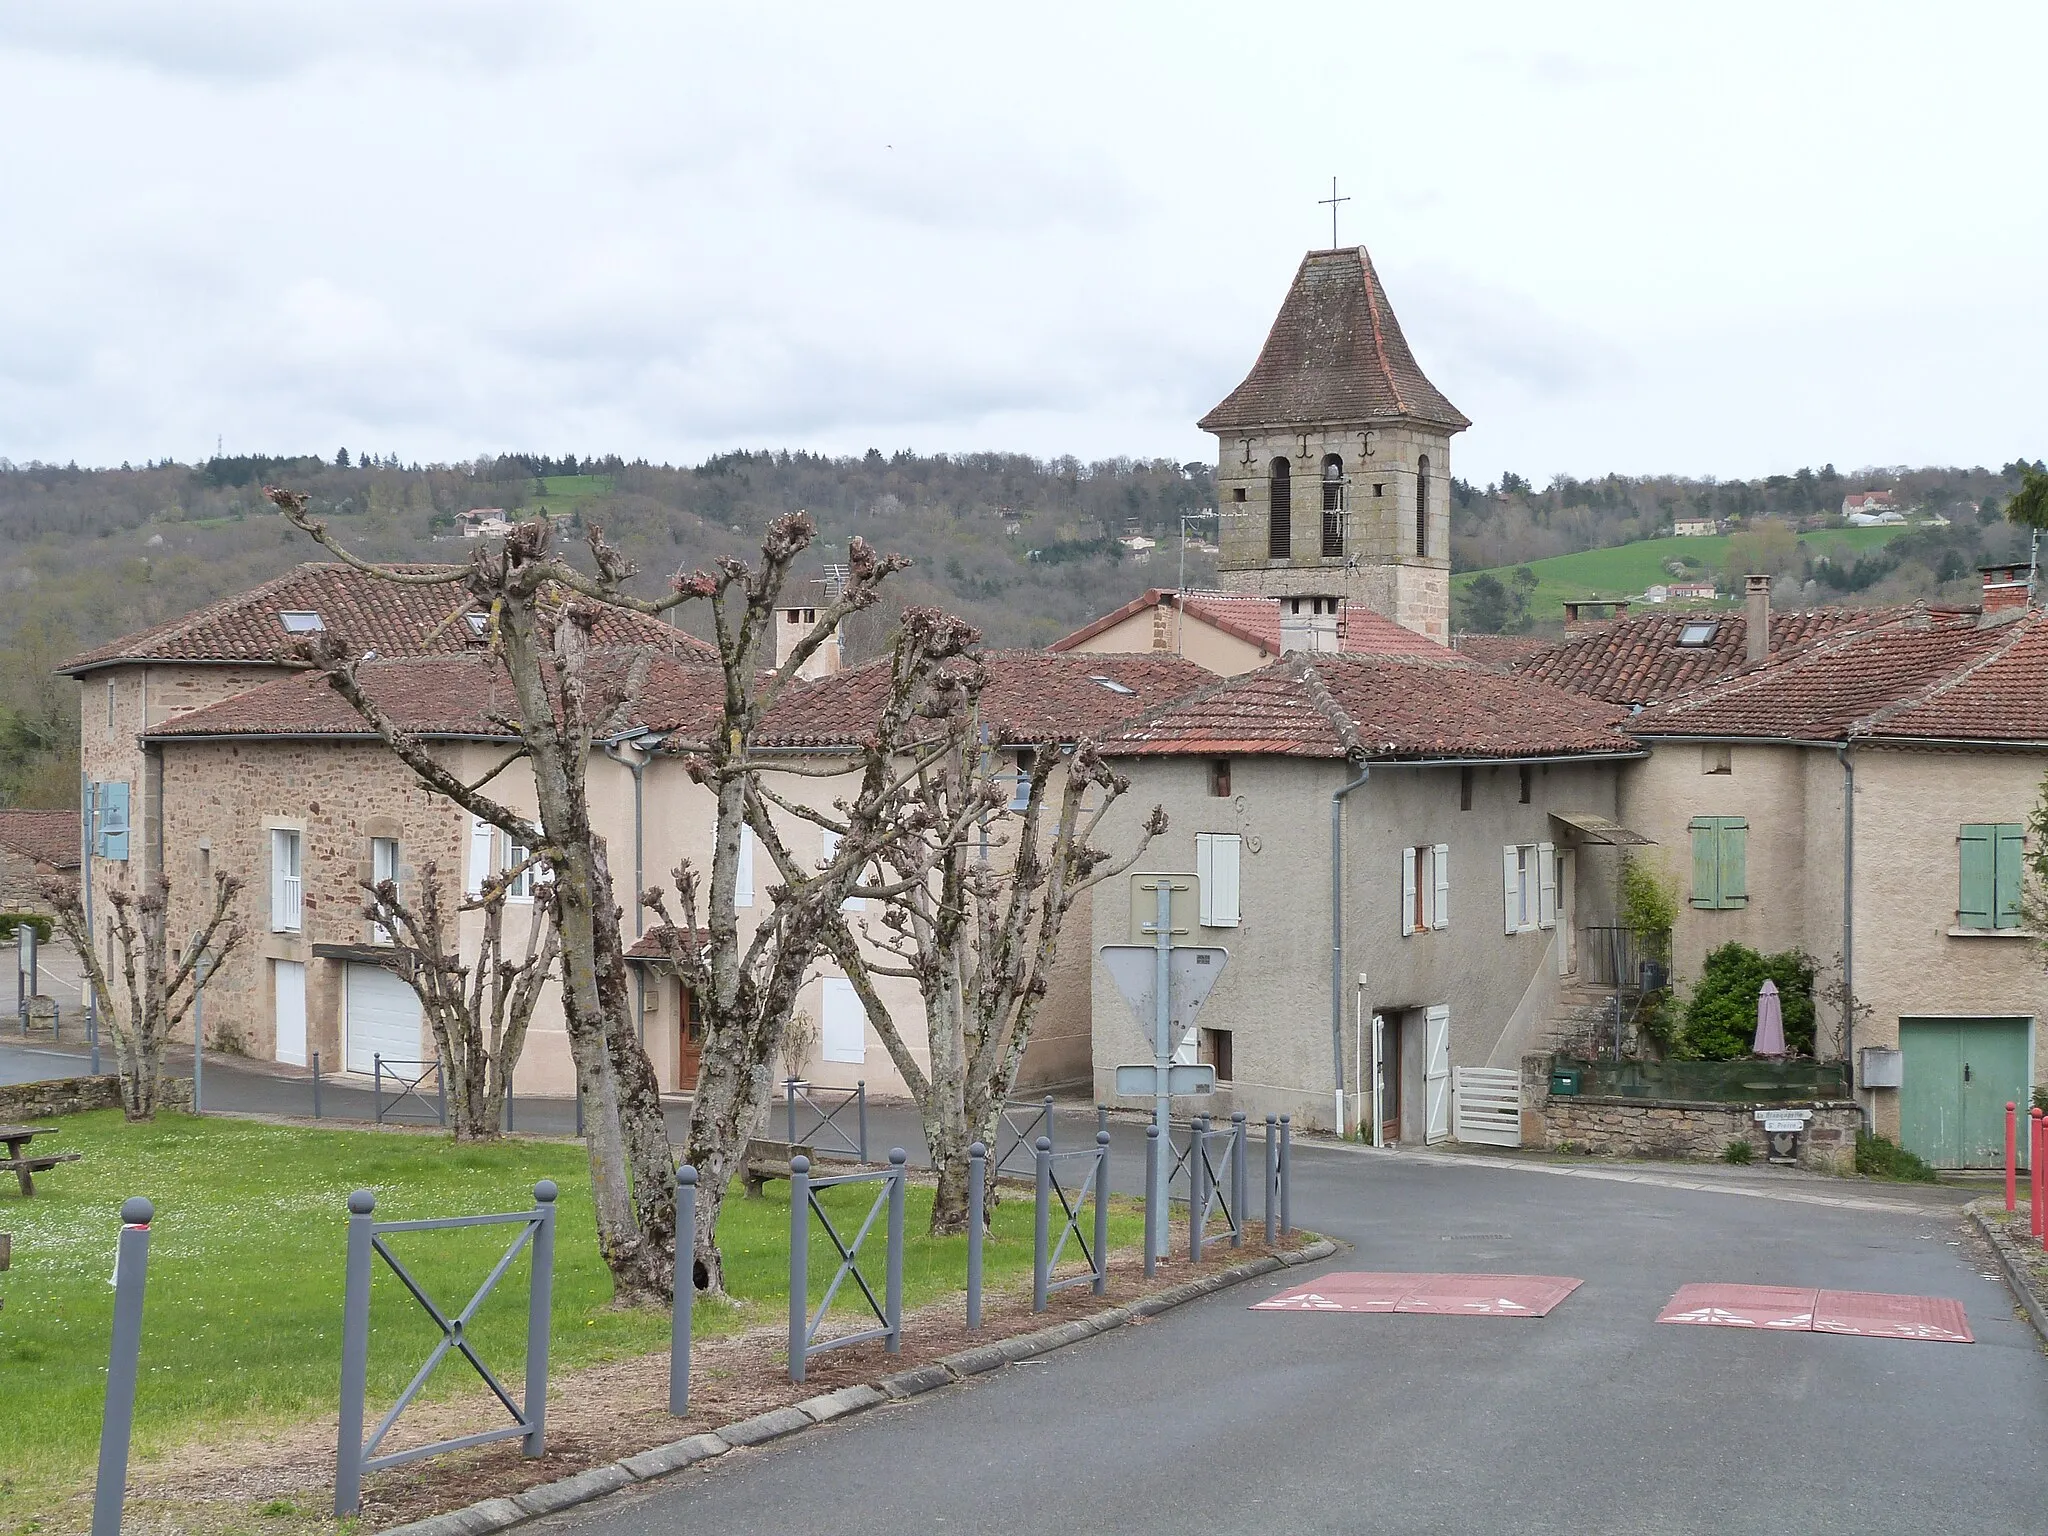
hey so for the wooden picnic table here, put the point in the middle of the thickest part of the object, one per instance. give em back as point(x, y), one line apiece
point(25, 1164)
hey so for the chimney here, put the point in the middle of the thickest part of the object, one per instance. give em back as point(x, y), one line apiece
point(1756, 596)
point(1308, 624)
point(2005, 586)
point(797, 620)
point(1593, 612)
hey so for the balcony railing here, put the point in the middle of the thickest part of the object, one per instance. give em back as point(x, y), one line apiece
point(285, 904)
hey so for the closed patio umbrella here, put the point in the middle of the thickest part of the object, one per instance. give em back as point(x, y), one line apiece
point(1770, 1023)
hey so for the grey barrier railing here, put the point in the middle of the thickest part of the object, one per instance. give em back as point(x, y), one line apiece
point(823, 1132)
point(408, 1101)
point(354, 1455)
point(1017, 1138)
point(1215, 1155)
point(887, 1309)
point(1091, 1193)
point(124, 1354)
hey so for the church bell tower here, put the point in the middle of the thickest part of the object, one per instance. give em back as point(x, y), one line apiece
point(1334, 456)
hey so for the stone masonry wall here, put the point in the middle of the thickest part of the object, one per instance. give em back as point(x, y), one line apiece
point(76, 1095)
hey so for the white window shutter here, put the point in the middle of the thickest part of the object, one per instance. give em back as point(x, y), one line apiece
point(1546, 885)
point(1407, 891)
point(1508, 881)
point(1205, 877)
point(483, 848)
point(1440, 910)
point(280, 852)
point(743, 886)
point(1216, 870)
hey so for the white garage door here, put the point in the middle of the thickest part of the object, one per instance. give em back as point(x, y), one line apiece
point(844, 1036)
point(383, 1018)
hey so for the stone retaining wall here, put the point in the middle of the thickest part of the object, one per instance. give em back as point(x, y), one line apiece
point(76, 1095)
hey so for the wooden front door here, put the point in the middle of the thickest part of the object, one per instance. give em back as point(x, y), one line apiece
point(689, 1042)
point(1387, 1066)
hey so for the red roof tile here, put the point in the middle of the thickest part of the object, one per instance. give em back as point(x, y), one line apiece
point(47, 837)
point(367, 613)
point(1376, 707)
point(2000, 696)
point(1256, 621)
point(1335, 354)
point(1502, 652)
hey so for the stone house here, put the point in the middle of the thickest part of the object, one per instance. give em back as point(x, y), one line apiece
point(35, 845)
point(1413, 843)
point(1233, 632)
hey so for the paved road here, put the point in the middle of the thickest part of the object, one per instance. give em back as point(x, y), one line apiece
point(1595, 1419)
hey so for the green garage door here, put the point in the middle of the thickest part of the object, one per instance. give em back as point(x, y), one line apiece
point(1959, 1076)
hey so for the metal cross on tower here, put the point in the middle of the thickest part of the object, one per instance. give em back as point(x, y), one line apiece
point(1332, 201)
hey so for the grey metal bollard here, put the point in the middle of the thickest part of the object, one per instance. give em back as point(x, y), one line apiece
point(1155, 1218)
point(579, 1110)
point(1286, 1173)
point(799, 1262)
point(539, 1312)
point(789, 1110)
point(1272, 1172)
point(198, 1041)
point(316, 1085)
point(1239, 1182)
point(355, 1354)
point(893, 1299)
point(377, 1087)
point(92, 1037)
point(1040, 1220)
point(131, 1266)
point(441, 1091)
point(861, 1089)
point(1048, 1118)
point(685, 1290)
point(1101, 1213)
point(510, 1126)
point(977, 1203)
point(1198, 1186)
point(1101, 1118)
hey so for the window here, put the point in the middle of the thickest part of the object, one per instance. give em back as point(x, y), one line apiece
point(1716, 759)
point(1992, 859)
point(1216, 863)
point(300, 622)
point(483, 843)
point(110, 834)
point(1425, 888)
point(1528, 777)
point(1333, 505)
point(1529, 886)
point(383, 867)
point(1720, 876)
point(110, 706)
point(1279, 503)
point(1112, 685)
point(1422, 505)
point(520, 888)
point(1698, 634)
point(1464, 789)
point(479, 623)
point(1237, 493)
point(1219, 777)
point(1214, 1049)
point(1020, 788)
point(286, 888)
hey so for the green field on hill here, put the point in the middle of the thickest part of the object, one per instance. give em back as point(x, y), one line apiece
point(1625, 570)
point(560, 493)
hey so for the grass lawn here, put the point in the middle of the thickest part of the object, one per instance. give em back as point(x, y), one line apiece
point(242, 1325)
point(1627, 569)
point(560, 493)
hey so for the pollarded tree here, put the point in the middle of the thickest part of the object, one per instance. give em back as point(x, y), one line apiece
point(479, 1011)
point(158, 989)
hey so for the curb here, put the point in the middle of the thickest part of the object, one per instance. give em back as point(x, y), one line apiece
point(498, 1514)
point(2015, 1281)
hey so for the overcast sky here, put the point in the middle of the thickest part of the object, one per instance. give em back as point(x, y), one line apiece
point(1727, 242)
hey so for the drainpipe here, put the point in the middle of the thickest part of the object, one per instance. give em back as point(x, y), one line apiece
point(1849, 924)
point(1337, 798)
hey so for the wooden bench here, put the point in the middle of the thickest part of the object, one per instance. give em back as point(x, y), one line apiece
point(24, 1164)
point(767, 1160)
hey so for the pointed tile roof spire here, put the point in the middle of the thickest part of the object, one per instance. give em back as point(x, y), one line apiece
point(1335, 354)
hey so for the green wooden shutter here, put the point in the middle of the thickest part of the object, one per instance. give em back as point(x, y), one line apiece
point(1733, 836)
point(1706, 863)
point(2008, 871)
point(1977, 858)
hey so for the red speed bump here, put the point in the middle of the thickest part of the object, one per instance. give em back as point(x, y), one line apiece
point(1799, 1309)
point(1432, 1293)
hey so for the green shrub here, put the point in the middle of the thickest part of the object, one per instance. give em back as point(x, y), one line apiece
point(1882, 1158)
point(1738, 1150)
point(1720, 1016)
point(1658, 1018)
point(1649, 903)
point(10, 923)
point(2041, 1100)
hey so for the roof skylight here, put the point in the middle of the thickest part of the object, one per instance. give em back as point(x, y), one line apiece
point(300, 622)
point(477, 622)
point(1698, 634)
point(1111, 684)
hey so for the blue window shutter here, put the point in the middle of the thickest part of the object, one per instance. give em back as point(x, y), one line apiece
point(1977, 859)
point(113, 818)
point(2008, 875)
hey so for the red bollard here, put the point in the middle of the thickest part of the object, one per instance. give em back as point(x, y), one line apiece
point(2011, 1155)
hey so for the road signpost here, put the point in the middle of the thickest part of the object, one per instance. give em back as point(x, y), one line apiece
point(1165, 984)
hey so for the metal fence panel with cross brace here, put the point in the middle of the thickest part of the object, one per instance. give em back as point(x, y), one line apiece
point(804, 1324)
point(823, 1130)
point(355, 1455)
point(408, 1099)
point(1094, 1185)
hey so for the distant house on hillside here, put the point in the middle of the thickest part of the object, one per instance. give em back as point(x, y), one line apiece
point(1867, 508)
point(485, 522)
point(1657, 594)
point(1694, 528)
point(1692, 591)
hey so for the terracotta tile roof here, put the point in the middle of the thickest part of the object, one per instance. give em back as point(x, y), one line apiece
point(649, 945)
point(1638, 660)
point(1376, 707)
point(368, 613)
point(439, 696)
point(47, 837)
point(1502, 652)
point(1256, 621)
point(1921, 675)
point(1335, 354)
point(1036, 695)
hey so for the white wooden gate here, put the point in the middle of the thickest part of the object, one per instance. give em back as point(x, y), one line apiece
point(1436, 1074)
point(1488, 1105)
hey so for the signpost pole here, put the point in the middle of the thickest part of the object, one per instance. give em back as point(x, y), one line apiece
point(1162, 1059)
